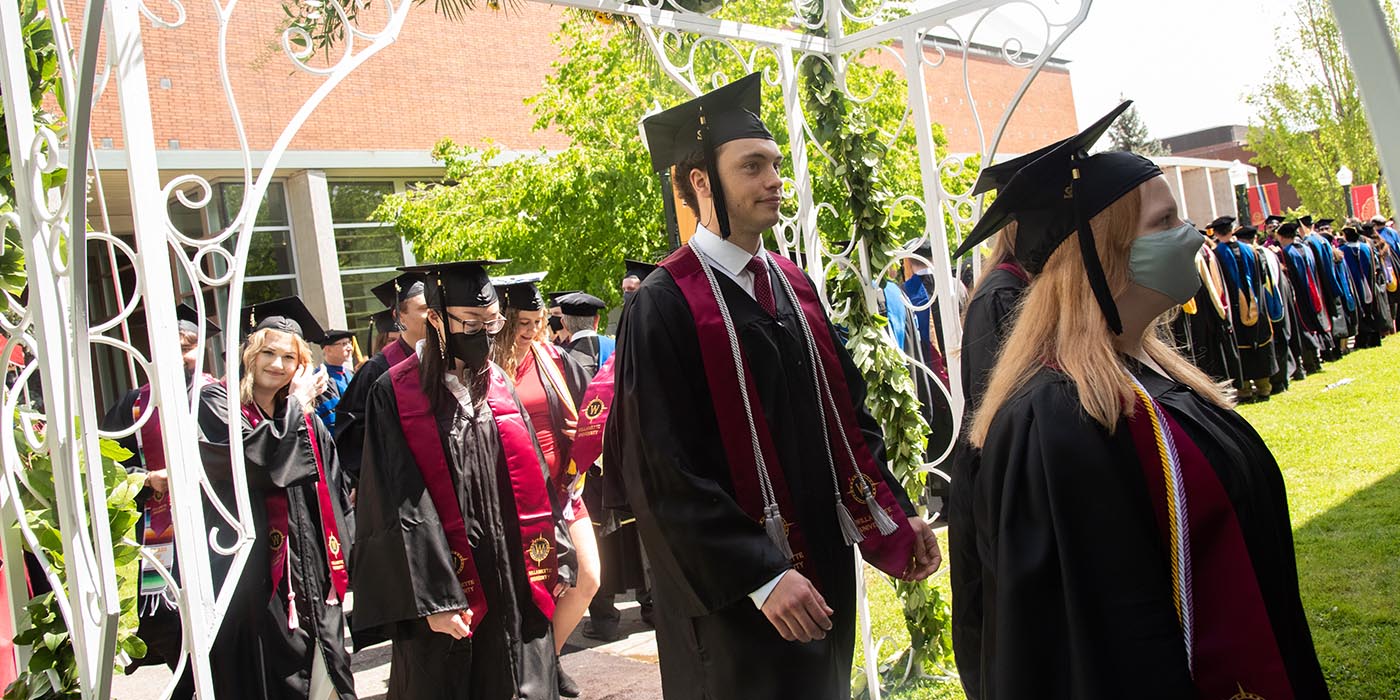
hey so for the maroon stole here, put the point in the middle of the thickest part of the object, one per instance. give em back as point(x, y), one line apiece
point(1233, 647)
point(893, 553)
point(152, 446)
point(1016, 270)
point(527, 481)
point(396, 352)
point(278, 524)
point(593, 416)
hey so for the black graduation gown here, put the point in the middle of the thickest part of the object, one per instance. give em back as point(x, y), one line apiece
point(255, 655)
point(350, 412)
point(706, 553)
point(404, 572)
point(985, 328)
point(1077, 601)
point(586, 351)
point(1311, 337)
point(1209, 337)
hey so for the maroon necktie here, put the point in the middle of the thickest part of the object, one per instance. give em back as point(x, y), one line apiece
point(762, 287)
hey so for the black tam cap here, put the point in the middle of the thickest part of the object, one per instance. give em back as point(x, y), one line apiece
point(1306, 220)
point(1053, 193)
point(1247, 233)
point(1273, 219)
point(1324, 222)
point(1289, 229)
point(384, 321)
point(288, 314)
point(554, 297)
point(520, 291)
point(333, 336)
point(462, 283)
point(638, 269)
point(1223, 224)
point(189, 321)
point(704, 124)
point(581, 304)
point(400, 289)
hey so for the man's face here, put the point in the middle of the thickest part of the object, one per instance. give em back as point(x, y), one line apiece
point(1271, 227)
point(413, 316)
point(753, 185)
point(1324, 230)
point(336, 353)
point(630, 284)
point(189, 351)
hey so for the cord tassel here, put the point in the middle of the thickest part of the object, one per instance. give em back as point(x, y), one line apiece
point(883, 522)
point(777, 530)
point(849, 531)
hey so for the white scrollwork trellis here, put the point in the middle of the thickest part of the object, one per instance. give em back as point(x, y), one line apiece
point(55, 330)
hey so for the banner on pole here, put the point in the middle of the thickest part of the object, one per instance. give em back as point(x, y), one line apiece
point(1363, 201)
point(1263, 201)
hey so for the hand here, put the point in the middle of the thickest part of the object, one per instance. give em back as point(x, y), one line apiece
point(927, 557)
point(797, 610)
point(307, 385)
point(456, 623)
point(157, 481)
point(560, 589)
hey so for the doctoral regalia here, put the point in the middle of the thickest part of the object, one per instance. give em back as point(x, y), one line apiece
point(1254, 335)
point(1314, 326)
point(287, 600)
point(1203, 327)
point(350, 412)
point(1278, 304)
point(1086, 603)
point(454, 514)
point(1333, 290)
point(695, 502)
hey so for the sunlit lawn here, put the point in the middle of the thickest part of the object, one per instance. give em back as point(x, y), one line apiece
point(1339, 449)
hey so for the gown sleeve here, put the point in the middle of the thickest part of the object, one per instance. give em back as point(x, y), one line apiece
point(277, 453)
point(350, 416)
point(403, 568)
point(1075, 582)
point(663, 439)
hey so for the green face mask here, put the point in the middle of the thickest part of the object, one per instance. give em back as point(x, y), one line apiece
point(1166, 262)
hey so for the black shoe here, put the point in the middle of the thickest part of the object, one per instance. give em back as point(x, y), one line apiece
point(567, 687)
point(601, 632)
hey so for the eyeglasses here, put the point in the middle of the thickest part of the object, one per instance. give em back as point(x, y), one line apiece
point(471, 325)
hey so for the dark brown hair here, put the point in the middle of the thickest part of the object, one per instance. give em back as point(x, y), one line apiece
point(681, 179)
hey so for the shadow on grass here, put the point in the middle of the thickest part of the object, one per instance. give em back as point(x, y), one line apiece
point(1349, 574)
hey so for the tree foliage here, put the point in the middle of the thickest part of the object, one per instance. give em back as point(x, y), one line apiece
point(1308, 117)
point(1130, 133)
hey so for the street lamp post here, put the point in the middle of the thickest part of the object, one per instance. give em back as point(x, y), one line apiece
point(1344, 179)
point(1239, 181)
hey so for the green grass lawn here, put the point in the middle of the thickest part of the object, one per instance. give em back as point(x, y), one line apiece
point(1339, 449)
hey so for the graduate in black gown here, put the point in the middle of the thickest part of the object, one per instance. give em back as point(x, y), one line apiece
point(403, 294)
point(283, 635)
point(460, 547)
point(159, 615)
point(755, 588)
point(1131, 530)
point(581, 315)
point(1254, 335)
point(1314, 327)
point(993, 307)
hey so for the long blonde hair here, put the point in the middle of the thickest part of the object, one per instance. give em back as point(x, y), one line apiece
point(1060, 326)
point(503, 345)
point(254, 345)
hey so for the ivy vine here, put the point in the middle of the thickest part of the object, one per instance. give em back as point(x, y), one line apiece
point(857, 150)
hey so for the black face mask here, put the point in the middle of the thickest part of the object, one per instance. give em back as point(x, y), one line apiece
point(471, 348)
point(627, 297)
point(556, 323)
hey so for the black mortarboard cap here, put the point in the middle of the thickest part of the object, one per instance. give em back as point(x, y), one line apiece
point(1273, 219)
point(460, 283)
point(333, 335)
point(581, 304)
point(1288, 229)
point(1222, 223)
point(1324, 222)
point(1248, 233)
point(384, 321)
point(638, 269)
point(405, 286)
point(189, 321)
point(1306, 220)
point(1054, 192)
point(704, 124)
point(554, 297)
point(520, 291)
point(288, 314)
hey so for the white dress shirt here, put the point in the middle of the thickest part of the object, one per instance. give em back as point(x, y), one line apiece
point(733, 261)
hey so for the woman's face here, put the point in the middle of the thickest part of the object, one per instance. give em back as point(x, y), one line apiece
point(528, 325)
point(276, 363)
point(1159, 211)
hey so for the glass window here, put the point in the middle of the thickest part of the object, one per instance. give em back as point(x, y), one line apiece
point(367, 251)
point(272, 213)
